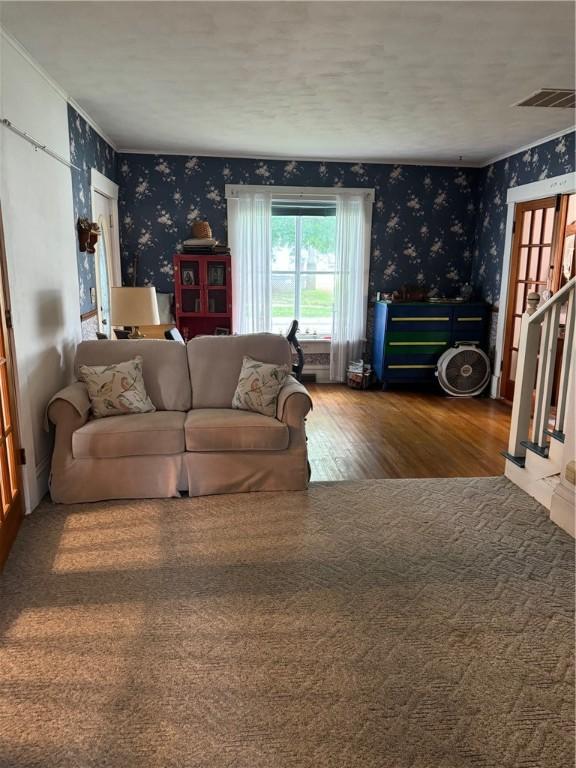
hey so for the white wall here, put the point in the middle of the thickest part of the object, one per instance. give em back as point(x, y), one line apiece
point(36, 196)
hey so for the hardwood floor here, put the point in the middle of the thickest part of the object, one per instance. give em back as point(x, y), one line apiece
point(355, 435)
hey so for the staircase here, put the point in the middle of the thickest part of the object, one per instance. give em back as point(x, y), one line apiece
point(540, 455)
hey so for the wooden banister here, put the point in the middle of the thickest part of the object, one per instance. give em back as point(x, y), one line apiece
point(560, 297)
point(537, 355)
point(567, 362)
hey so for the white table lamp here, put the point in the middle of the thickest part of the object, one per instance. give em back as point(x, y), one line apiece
point(134, 307)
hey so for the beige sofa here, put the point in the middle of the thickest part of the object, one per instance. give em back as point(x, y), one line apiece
point(194, 441)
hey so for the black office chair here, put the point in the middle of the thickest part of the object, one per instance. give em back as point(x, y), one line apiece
point(173, 334)
point(292, 339)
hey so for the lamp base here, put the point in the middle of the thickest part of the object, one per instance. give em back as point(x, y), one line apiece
point(135, 333)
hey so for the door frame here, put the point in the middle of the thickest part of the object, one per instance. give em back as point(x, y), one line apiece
point(13, 525)
point(108, 188)
point(557, 185)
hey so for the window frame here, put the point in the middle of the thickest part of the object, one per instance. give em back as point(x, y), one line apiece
point(234, 192)
point(297, 273)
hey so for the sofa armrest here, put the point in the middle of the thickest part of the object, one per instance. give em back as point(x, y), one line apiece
point(294, 402)
point(72, 401)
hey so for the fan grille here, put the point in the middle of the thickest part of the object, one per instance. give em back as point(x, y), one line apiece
point(466, 371)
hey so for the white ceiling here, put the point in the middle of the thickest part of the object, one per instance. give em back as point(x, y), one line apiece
point(322, 80)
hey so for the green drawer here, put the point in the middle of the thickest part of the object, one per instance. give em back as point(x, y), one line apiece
point(416, 348)
point(418, 336)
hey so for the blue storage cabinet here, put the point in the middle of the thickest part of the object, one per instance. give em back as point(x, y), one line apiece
point(410, 337)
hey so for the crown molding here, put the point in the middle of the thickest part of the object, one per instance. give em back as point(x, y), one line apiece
point(369, 161)
point(532, 144)
point(11, 40)
point(289, 158)
point(92, 123)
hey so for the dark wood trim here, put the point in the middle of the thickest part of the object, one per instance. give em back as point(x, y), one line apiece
point(10, 528)
point(89, 315)
point(565, 229)
point(519, 210)
point(15, 512)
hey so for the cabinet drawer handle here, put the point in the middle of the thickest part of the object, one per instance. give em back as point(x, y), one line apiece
point(418, 343)
point(418, 319)
point(470, 319)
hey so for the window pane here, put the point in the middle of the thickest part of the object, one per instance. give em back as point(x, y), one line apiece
point(520, 303)
point(545, 267)
point(571, 219)
point(283, 302)
point(527, 223)
point(303, 248)
point(537, 226)
point(216, 301)
point(318, 243)
point(316, 304)
point(549, 225)
point(523, 267)
point(568, 255)
point(283, 243)
point(534, 258)
point(11, 464)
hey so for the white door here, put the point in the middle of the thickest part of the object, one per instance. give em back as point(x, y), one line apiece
point(102, 209)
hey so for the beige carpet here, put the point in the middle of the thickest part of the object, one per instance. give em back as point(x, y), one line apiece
point(376, 624)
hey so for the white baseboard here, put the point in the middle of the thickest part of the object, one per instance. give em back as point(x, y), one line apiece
point(495, 386)
point(39, 485)
point(563, 508)
point(540, 488)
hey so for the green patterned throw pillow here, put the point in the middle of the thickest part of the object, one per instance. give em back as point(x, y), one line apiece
point(116, 389)
point(258, 386)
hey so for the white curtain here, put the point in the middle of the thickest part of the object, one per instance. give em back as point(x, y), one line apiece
point(353, 225)
point(249, 220)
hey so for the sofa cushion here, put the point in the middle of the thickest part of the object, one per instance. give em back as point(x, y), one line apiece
point(224, 429)
point(138, 434)
point(164, 366)
point(258, 386)
point(116, 389)
point(216, 361)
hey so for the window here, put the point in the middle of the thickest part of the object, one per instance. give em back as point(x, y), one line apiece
point(303, 264)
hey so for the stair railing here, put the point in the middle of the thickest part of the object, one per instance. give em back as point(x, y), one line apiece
point(537, 361)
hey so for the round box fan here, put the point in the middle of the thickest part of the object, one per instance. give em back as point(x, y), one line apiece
point(463, 370)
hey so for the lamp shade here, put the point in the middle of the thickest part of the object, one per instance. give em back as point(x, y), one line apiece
point(134, 306)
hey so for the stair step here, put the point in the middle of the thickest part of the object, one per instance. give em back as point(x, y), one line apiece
point(553, 481)
point(520, 461)
point(556, 434)
point(535, 448)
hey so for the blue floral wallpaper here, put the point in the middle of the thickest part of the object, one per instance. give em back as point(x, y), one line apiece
point(553, 158)
point(423, 222)
point(436, 227)
point(87, 150)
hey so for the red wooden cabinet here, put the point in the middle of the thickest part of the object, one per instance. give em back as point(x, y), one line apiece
point(203, 294)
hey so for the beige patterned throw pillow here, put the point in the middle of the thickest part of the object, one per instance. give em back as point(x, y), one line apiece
point(258, 386)
point(116, 389)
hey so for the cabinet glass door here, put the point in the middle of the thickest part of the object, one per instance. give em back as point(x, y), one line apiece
point(190, 286)
point(217, 280)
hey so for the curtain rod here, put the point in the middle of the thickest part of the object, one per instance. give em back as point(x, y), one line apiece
point(36, 144)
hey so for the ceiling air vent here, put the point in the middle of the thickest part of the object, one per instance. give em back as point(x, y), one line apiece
point(551, 97)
